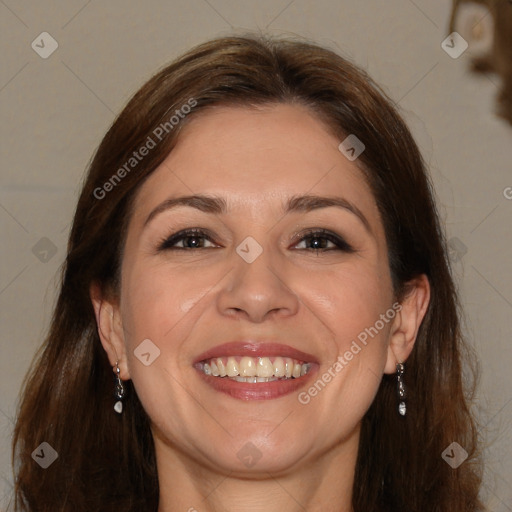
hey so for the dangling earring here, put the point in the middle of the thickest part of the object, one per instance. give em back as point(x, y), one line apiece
point(118, 391)
point(402, 409)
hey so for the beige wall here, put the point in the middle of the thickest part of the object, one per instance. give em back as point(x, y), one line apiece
point(55, 111)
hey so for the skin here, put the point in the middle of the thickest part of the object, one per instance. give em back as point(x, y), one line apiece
point(189, 301)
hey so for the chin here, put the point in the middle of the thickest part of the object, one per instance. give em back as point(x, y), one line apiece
point(262, 452)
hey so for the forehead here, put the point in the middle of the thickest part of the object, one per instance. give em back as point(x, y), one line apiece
point(254, 156)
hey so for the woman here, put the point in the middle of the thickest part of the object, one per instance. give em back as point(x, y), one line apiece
point(256, 269)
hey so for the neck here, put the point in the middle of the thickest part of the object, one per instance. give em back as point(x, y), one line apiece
point(322, 484)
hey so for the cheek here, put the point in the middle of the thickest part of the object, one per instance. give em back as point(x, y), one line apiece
point(354, 309)
point(156, 299)
point(164, 306)
point(349, 300)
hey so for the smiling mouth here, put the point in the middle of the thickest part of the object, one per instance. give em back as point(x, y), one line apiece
point(254, 370)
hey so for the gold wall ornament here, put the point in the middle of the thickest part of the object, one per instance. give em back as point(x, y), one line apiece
point(486, 25)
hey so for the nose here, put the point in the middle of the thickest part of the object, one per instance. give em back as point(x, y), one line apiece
point(257, 291)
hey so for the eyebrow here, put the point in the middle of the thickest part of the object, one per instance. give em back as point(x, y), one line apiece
point(218, 205)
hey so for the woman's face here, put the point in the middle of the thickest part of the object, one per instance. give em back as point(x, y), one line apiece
point(276, 281)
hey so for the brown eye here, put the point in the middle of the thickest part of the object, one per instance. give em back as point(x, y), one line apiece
point(323, 240)
point(187, 239)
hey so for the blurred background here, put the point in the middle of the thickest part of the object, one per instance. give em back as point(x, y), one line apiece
point(68, 67)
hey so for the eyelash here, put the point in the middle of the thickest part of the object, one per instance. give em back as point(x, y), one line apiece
point(341, 245)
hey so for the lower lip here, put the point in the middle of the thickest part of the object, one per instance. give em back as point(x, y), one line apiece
point(258, 390)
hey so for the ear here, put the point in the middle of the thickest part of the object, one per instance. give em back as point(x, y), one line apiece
point(407, 322)
point(110, 329)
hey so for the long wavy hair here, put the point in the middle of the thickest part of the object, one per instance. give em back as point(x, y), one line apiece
point(107, 461)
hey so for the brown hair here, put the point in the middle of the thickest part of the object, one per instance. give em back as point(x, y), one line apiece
point(107, 461)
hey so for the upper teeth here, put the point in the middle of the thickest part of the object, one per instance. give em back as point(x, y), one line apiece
point(280, 367)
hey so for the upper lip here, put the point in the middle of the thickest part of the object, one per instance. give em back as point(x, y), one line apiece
point(254, 348)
